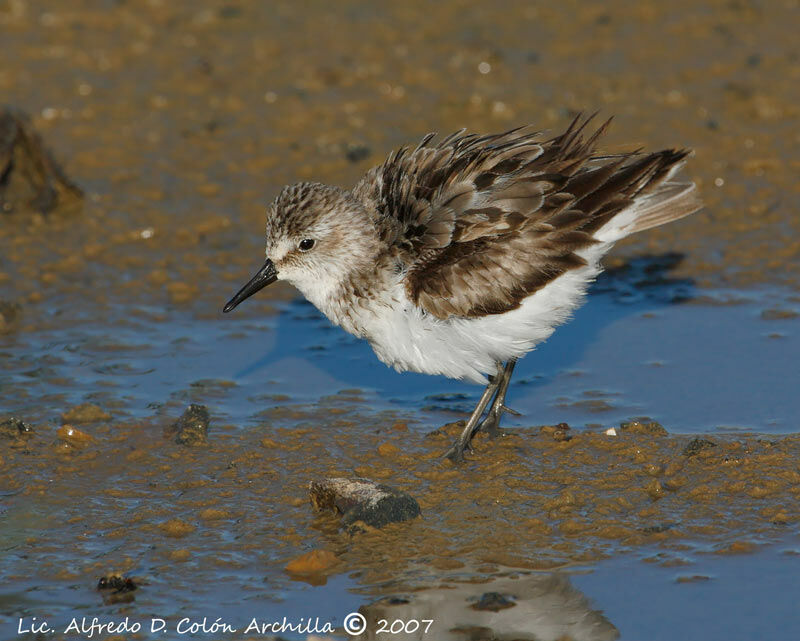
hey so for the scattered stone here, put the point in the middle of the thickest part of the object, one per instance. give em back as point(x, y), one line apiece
point(493, 602)
point(14, 428)
point(74, 437)
point(85, 413)
point(654, 469)
point(313, 562)
point(559, 432)
point(192, 427)
point(654, 489)
point(9, 315)
point(30, 178)
point(561, 435)
point(643, 427)
point(116, 583)
point(697, 445)
point(363, 501)
point(116, 589)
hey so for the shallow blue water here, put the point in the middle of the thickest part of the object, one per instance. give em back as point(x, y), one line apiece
point(741, 598)
point(692, 366)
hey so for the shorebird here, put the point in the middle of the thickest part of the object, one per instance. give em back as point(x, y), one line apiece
point(458, 258)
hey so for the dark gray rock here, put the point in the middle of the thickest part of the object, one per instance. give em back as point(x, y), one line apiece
point(362, 500)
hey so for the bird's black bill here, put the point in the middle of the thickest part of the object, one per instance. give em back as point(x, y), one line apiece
point(266, 275)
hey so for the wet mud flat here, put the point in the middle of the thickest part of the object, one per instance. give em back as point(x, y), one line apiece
point(126, 460)
point(232, 509)
point(178, 151)
point(181, 120)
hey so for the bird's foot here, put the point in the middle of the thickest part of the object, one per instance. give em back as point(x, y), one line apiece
point(491, 424)
point(456, 452)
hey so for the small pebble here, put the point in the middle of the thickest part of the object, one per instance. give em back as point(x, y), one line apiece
point(313, 562)
point(14, 428)
point(74, 437)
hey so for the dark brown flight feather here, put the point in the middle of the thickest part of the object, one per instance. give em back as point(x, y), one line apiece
point(482, 222)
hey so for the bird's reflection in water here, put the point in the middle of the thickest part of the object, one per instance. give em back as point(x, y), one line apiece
point(515, 607)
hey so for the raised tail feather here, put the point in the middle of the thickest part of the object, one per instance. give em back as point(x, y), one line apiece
point(658, 199)
point(670, 201)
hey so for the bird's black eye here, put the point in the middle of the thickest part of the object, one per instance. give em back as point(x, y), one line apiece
point(306, 244)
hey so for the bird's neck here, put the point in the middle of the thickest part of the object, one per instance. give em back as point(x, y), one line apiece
point(355, 300)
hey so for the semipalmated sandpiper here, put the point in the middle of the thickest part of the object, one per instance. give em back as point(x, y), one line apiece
point(457, 258)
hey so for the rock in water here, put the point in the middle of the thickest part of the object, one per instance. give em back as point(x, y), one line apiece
point(192, 427)
point(30, 178)
point(14, 428)
point(362, 500)
point(697, 445)
point(643, 427)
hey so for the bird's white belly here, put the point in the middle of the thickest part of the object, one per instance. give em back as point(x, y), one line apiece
point(469, 348)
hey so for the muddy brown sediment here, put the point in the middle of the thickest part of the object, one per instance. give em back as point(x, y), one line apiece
point(525, 500)
point(181, 152)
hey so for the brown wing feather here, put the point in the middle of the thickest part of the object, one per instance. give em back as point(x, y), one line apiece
point(483, 222)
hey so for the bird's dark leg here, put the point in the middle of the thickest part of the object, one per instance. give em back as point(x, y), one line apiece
point(456, 453)
point(491, 424)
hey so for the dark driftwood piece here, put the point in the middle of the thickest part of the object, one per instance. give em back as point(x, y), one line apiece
point(30, 178)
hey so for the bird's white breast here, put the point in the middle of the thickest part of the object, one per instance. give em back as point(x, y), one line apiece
point(406, 338)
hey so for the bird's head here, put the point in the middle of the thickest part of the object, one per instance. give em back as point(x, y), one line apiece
point(316, 236)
